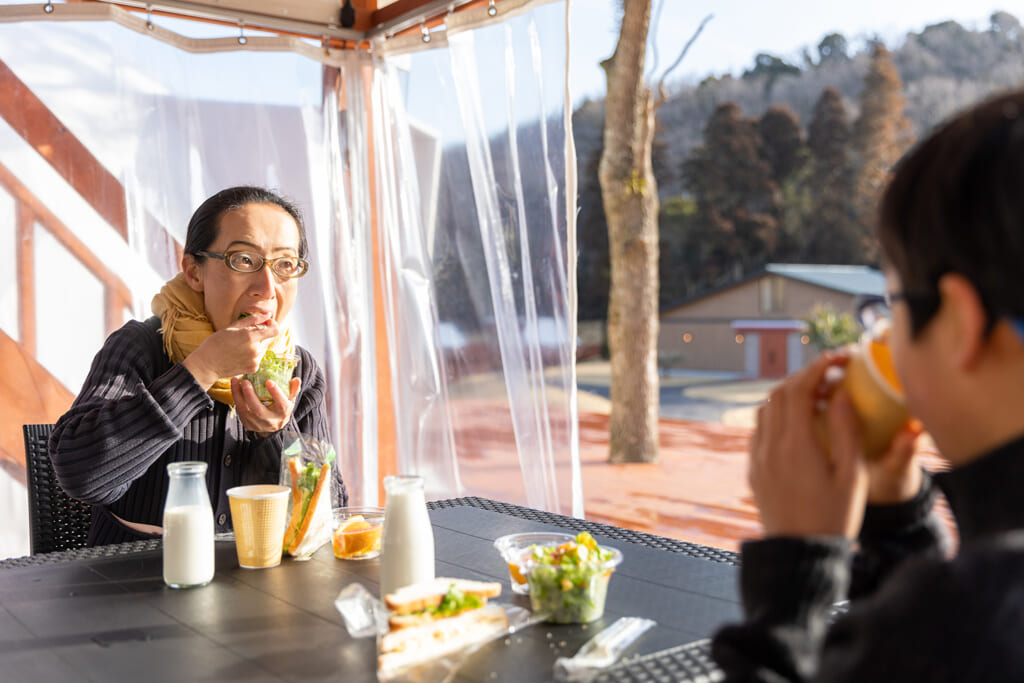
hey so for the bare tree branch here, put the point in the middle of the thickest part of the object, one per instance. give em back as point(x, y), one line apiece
point(686, 48)
point(654, 43)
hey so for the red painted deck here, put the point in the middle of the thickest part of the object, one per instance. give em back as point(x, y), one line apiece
point(697, 492)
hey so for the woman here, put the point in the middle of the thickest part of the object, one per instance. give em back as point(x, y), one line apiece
point(167, 389)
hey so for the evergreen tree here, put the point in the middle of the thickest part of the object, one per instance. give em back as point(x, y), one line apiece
point(770, 68)
point(830, 233)
point(783, 142)
point(784, 150)
point(732, 183)
point(833, 48)
point(880, 136)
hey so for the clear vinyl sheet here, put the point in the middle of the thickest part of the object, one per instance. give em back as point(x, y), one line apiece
point(467, 146)
point(481, 323)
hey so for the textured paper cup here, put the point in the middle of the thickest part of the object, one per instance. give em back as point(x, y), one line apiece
point(876, 395)
point(259, 514)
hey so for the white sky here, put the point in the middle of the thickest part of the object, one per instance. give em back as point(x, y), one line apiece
point(742, 28)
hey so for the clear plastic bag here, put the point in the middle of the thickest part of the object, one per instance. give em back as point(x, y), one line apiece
point(307, 467)
point(366, 616)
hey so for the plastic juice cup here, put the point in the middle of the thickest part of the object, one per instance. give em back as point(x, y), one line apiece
point(259, 516)
point(357, 532)
point(515, 548)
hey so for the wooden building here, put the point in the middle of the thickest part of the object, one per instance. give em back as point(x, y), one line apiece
point(756, 326)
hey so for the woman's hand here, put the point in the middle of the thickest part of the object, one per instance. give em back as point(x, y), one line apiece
point(895, 477)
point(264, 419)
point(235, 350)
point(800, 490)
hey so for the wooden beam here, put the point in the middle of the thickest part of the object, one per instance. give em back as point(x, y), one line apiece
point(41, 129)
point(31, 206)
point(25, 248)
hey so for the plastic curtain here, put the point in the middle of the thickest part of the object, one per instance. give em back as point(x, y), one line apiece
point(471, 180)
point(466, 146)
point(346, 260)
point(165, 129)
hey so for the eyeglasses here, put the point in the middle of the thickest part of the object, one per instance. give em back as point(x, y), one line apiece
point(248, 262)
point(872, 308)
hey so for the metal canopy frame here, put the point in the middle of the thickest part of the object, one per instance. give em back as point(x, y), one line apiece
point(319, 23)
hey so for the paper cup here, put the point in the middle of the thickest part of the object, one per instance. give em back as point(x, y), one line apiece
point(259, 514)
point(875, 392)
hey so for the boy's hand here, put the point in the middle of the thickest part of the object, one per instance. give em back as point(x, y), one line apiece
point(799, 490)
point(895, 477)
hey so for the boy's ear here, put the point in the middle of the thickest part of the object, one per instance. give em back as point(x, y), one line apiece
point(193, 272)
point(965, 319)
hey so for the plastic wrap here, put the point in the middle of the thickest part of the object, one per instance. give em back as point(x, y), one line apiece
point(307, 467)
point(365, 616)
point(471, 161)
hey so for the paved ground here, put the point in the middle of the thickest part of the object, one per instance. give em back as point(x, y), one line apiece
point(721, 397)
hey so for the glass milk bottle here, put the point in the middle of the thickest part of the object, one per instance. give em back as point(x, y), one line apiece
point(407, 546)
point(188, 527)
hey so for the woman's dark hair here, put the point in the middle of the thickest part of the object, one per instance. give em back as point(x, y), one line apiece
point(956, 205)
point(205, 222)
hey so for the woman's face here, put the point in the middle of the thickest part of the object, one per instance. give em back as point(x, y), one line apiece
point(264, 229)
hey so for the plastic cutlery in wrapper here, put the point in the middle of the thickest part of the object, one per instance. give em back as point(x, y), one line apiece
point(602, 650)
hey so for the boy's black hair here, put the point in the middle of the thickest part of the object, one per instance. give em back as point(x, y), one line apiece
point(955, 204)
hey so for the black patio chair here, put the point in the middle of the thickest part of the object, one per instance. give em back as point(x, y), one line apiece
point(56, 521)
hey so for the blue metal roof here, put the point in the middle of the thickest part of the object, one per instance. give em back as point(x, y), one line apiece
point(849, 279)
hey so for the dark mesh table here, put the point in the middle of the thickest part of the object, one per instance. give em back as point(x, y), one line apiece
point(103, 613)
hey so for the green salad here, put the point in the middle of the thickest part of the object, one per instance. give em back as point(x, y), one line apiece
point(570, 581)
point(454, 602)
point(277, 368)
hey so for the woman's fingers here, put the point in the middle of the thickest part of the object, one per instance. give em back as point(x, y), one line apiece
point(257, 417)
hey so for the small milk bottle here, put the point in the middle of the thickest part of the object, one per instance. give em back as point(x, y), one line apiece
point(188, 527)
point(407, 546)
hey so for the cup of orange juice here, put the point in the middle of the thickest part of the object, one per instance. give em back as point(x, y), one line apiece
point(357, 532)
point(875, 391)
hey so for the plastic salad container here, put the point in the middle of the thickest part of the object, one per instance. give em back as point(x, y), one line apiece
point(515, 549)
point(278, 368)
point(569, 582)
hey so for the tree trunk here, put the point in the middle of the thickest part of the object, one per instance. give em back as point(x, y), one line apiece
point(630, 196)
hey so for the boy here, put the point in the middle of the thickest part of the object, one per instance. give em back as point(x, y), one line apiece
point(951, 228)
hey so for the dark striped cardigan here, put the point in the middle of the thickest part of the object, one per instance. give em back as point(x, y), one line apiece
point(137, 412)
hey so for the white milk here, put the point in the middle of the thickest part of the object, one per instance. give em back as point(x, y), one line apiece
point(407, 546)
point(188, 546)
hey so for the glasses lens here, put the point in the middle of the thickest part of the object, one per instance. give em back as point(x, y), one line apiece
point(871, 312)
point(288, 266)
point(244, 262)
